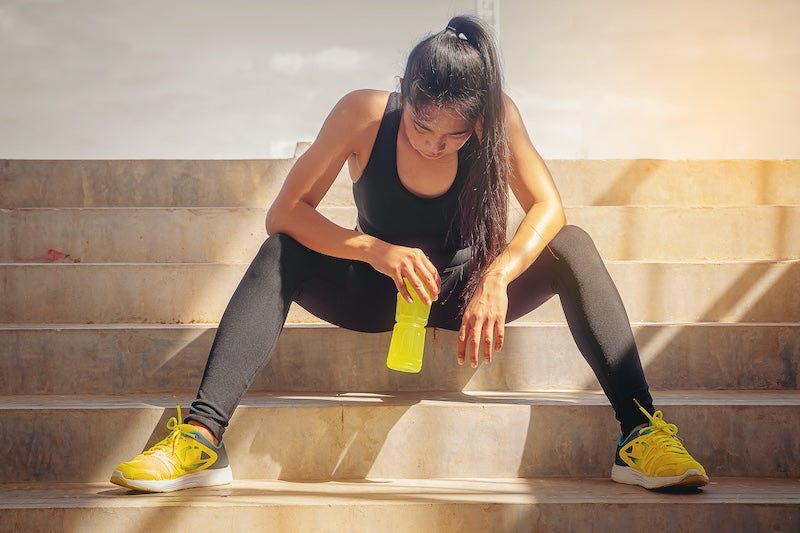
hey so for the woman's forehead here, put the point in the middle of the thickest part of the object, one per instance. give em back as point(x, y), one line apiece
point(438, 114)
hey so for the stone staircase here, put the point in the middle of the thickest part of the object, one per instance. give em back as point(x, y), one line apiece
point(114, 274)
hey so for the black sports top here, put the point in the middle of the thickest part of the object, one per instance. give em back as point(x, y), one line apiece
point(392, 213)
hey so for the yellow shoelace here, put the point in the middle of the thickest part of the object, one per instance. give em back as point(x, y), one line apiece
point(662, 433)
point(162, 449)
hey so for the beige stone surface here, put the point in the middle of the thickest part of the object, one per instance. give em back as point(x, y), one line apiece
point(677, 182)
point(146, 183)
point(692, 233)
point(401, 435)
point(740, 291)
point(254, 183)
point(234, 235)
point(407, 505)
point(708, 271)
point(74, 359)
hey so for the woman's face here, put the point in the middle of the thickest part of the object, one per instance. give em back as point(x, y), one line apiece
point(436, 132)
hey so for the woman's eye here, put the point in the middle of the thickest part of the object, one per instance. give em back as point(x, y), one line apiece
point(422, 130)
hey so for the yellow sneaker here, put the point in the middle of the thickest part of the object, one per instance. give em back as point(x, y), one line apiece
point(185, 458)
point(654, 457)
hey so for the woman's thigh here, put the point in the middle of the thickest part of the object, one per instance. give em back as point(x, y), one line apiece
point(527, 292)
point(353, 295)
point(537, 284)
point(347, 293)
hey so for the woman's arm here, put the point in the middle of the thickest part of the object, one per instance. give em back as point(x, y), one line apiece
point(533, 187)
point(483, 323)
point(294, 211)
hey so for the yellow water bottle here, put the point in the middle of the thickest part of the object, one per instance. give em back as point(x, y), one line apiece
point(408, 336)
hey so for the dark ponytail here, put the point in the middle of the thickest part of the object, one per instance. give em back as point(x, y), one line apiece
point(465, 74)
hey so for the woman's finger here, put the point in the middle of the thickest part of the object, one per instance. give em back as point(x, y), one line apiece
point(499, 334)
point(402, 289)
point(429, 274)
point(437, 280)
point(475, 343)
point(432, 284)
point(488, 332)
point(419, 287)
point(462, 344)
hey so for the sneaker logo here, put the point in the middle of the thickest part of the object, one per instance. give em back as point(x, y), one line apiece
point(629, 456)
point(204, 456)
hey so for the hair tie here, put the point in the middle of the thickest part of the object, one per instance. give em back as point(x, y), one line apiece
point(460, 35)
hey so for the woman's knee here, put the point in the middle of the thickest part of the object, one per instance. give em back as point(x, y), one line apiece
point(572, 237)
point(281, 244)
point(279, 250)
point(575, 248)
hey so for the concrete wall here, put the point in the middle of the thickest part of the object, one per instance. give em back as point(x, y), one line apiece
point(235, 79)
point(629, 78)
point(189, 78)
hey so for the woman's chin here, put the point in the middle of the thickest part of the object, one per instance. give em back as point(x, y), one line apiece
point(428, 156)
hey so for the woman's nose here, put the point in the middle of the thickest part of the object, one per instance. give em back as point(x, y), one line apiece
point(436, 146)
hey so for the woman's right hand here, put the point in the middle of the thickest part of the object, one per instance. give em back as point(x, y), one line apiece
point(400, 262)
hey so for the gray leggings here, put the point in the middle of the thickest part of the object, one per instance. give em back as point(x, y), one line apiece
point(353, 295)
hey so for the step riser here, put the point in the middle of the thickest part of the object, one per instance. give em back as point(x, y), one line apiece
point(676, 182)
point(149, 183)
point(652, 292)
point(414, 514)
point(255, 183)
point(119, 361)
point(234, 235)
point(395, 441)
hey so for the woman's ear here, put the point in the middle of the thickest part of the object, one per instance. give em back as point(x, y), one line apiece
point(479, 129)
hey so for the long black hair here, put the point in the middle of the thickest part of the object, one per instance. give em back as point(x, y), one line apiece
point(459, 67)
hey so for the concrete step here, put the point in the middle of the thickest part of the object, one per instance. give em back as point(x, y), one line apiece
point(741, 291)
point(141, 183)
point(406, 505)
point(678, 182)
point(233, 235)
point(134, 358)
point(255, 182)
point(357, 435)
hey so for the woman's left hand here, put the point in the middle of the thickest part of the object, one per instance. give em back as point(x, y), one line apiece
point(483, 324)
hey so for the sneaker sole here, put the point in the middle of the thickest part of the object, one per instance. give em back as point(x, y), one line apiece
point(627, 475)
point(206, 478)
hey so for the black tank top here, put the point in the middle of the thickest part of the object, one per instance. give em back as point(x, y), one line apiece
point(392, 213)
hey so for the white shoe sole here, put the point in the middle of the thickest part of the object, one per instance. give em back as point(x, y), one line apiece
point(204, 478)
point(626, 474)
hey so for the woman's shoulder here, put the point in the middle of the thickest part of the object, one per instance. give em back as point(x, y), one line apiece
point(513, 118)
point(364, 109)
point(365, 105)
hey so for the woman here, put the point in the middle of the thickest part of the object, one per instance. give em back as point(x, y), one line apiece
point(432, 166)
